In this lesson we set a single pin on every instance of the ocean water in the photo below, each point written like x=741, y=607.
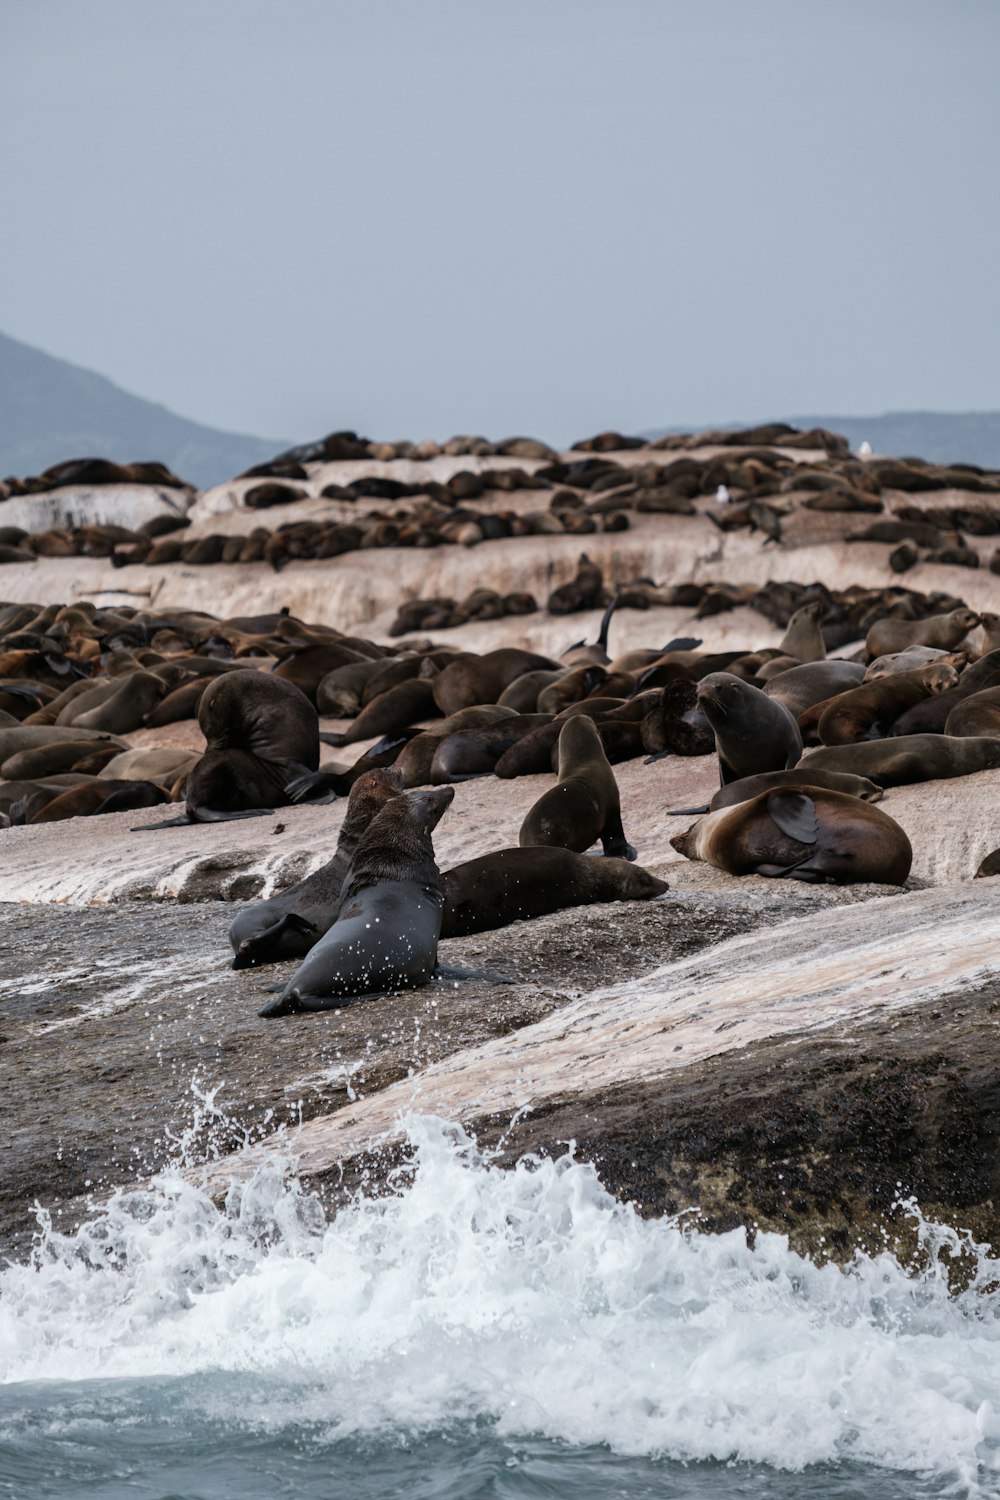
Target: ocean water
x=484, y=1333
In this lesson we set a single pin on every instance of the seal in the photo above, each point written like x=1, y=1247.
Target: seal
x=470, y=680
x=931, y=715
x=291, y=923
x=798, y=688
x=97, y=795
x=909, y=758
x=802, y=776
x=977, y=714
x=386, y=934
x=583, y=806
x=947, y=631
x=803, y=639
x=753, y=733
x=512, y=885
x=259, y=729
x=872, y=709
x=802, y=833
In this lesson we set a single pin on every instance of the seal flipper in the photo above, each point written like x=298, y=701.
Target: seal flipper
x=258, y=949
x=681, y=643
x=314, y=786
x=687, y=812
x=286, y=1004
x=614, y=841
x=798, y=871
x=795, y=814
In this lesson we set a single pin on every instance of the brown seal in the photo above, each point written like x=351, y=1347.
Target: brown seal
x=947, y=631
x=907, y=759
x=753, y=733
x=803, y=833
x=931, y=715
x=512, y=885
x=471, y=680
x=798, y=688
x=872, y=709
x=803, y=639
x=258, y=730
x=386, y=934
x=801, y=776
x=977, y=714
x=584, y=805
x=100, y=795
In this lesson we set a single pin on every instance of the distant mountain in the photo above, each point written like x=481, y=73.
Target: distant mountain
x=51, y=410
x=971, y=437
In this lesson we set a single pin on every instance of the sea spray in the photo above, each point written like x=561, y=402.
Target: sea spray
x=528, y=1302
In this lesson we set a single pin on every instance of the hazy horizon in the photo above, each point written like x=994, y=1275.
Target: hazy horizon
x=421, y=220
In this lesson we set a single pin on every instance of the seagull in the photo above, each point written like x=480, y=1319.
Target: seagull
x=723, y=496
x=865, y=450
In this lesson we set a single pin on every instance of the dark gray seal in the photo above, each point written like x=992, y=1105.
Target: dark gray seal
x=292, y=922
x=386, y=935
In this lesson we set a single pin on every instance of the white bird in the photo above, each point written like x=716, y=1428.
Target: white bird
x=722, y=495
x=865, y=450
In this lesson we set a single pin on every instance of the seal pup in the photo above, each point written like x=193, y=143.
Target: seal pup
x=753, y=733
x=802, y=833
x=584, y=805
x=292, y=922
x=512, y=885
x=386, y=934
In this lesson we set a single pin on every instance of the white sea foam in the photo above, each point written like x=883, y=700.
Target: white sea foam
x=528, y=1298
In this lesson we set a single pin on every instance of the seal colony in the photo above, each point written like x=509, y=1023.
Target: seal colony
x=806, y=735
x=374, y=751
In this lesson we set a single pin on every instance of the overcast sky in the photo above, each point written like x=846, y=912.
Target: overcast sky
x=420, y=217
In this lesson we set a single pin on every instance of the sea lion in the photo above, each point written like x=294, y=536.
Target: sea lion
x=584, y=805
x=48, y=760
x=947, y=631
x=511, y=885
x=931, y=715
x=117, y=707
x=397, y=708
x=97, y=796
x=989, y=866
x=978, y=714
x=803, y=638
x=802, y=833
x=801, y=776
x=471, y=680
x=798, y=688
x=258, y=730
x=871, y=709
x=156, y=763
x=386, y=934
x=292, y=922
x=753, y=733
x=906, y=661
x=907, y=759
